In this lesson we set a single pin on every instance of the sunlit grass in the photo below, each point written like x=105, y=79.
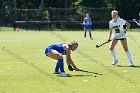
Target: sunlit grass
x=24, y=68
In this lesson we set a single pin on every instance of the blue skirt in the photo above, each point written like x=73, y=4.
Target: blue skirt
x=87, y=27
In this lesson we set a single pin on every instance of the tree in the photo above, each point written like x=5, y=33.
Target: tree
x=1, y=10
x=6, y=9
x=95, y=3
x=127, y=9
x=28, y=4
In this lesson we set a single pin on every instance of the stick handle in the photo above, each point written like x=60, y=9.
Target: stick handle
x=97, y=46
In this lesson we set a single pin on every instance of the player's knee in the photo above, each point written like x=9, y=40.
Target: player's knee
x=60, y=56
x=125, y=49
x=111, y=49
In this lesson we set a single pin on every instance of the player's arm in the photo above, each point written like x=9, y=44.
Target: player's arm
x=84, y=21
x=138, y=24
x=69, y=60
x=90, y=22
x=127, y=26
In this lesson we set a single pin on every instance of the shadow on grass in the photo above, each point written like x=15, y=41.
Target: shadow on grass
x=82, y=75
x=69, y=75
x=128, y=66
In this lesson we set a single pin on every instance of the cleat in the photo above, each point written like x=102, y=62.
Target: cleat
x=63, y=74
x=114, y=62
x=131, y=65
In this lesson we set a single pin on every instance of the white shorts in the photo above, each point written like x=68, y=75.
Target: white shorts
x=119, y=35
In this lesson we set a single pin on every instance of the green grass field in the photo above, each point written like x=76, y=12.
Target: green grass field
x=25, y=69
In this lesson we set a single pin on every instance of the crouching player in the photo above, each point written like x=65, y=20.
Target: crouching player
x=55, y=51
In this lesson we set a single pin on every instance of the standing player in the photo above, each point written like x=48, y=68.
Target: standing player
x=87, y=26
x=119, y=33
x=55, y=51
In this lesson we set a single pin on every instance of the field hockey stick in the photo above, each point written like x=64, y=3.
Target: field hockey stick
x=97, y=46
x=90, y=72
x=136, y=22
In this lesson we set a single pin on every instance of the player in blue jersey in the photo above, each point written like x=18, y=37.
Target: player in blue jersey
x=87, y=26
x=55, y=51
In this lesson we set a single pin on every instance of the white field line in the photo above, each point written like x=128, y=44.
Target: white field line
x=16, y=40
x=106, y=58
x=18, y=62
x=105, y=52
x=10, y=40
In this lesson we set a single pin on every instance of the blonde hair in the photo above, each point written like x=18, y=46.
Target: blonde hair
x=87, y=14
x=73, y=43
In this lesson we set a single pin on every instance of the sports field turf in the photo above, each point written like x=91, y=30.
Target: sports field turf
x=25, y=69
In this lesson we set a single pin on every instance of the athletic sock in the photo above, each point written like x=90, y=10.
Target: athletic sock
x=90, y=35
x=85, y=35
x=57, y=67
x=129, y=56
x=61, y=65
x=114, y=55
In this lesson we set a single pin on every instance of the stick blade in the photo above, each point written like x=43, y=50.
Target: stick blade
x=91, y=72
x=97, y=46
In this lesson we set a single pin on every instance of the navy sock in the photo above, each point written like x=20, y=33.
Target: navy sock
x=57, y=67
x=61, y=65
x=85, y=35
x=90, y=35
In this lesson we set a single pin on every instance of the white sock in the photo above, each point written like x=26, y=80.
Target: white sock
x=129, y=56
x=114, y=55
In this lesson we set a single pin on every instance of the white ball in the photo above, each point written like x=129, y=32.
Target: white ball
x=94, y=75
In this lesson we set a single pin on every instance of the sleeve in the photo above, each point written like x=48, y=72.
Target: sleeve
x=110, y=26
x=123, y=21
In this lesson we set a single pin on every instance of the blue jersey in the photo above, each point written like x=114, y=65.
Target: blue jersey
x=58, y=47
x=87, y=25
x=87, y=21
